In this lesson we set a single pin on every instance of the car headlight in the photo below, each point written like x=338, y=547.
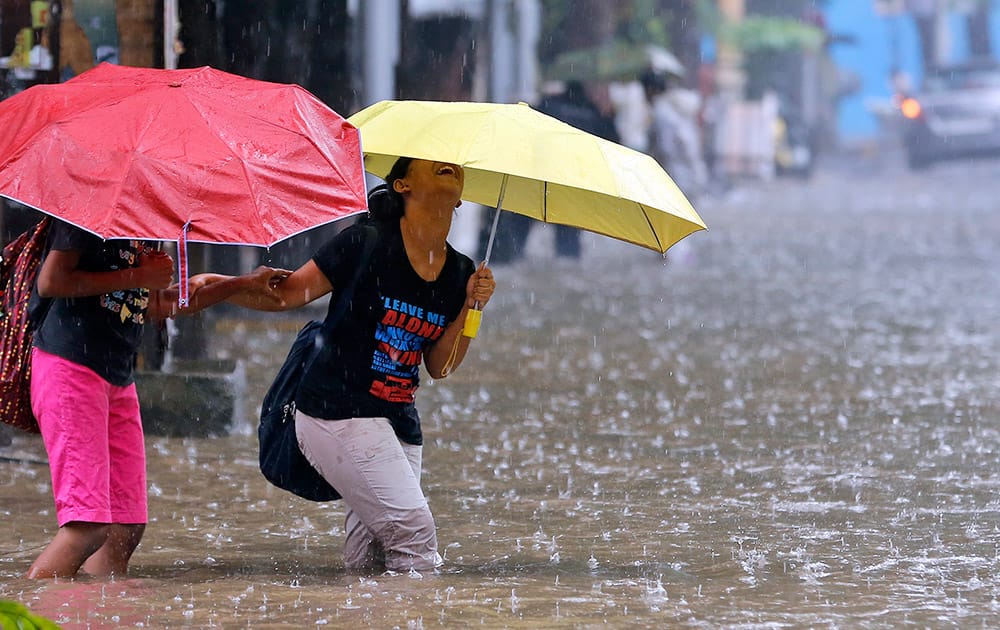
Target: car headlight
x=910, y=108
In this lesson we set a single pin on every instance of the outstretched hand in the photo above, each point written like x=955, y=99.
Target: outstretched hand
x=263, y=284
x=480, y=287
x=258, y=287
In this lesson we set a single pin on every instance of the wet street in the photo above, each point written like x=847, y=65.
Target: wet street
x=793, y=421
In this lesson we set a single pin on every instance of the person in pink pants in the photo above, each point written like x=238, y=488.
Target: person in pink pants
x=83, y=391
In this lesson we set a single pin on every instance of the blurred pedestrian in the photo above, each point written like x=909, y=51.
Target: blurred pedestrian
x=710, y=115
x=83, y=391
x=355, y=417
x=675, y=138
x=586, y=107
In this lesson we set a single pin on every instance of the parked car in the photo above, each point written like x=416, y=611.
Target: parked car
x=955, y=114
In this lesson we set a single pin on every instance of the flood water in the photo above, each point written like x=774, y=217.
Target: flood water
x=792, y=422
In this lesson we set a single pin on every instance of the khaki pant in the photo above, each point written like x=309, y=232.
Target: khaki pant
x=388, y=522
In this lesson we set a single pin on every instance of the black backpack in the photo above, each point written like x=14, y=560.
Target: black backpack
x=281, y=459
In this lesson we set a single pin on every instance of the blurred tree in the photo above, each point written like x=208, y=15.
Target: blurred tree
x=136, y=32
x=76, y=54
x=673, y=24
x=772, y=50
x=676, y=25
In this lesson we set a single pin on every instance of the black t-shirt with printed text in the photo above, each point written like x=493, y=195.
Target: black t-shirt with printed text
x=100, y=332
x=371, y=366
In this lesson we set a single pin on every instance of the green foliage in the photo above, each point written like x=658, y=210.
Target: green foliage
x=756, y=33
x=16, y=616
x=618, y=61
x=638, y=22
x=642, y=22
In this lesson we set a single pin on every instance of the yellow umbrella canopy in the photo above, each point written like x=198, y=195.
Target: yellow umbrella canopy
x=521, y=160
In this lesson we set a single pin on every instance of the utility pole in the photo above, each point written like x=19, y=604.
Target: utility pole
x=501, y=51
x=380, y=32
x=529, y=27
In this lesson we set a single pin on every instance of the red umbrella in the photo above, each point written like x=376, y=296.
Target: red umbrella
x=196, y=154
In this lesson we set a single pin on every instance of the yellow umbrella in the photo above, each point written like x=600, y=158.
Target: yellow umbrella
x=518, y=159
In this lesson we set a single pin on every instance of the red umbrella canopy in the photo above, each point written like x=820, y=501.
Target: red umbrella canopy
x=145, y=153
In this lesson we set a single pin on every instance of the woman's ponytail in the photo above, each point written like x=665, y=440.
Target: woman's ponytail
x=384, y=203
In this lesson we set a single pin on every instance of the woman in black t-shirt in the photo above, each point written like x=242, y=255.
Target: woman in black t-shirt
x=355, y=416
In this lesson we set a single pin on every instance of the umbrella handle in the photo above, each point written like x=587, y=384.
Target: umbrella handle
x=475, y=316
x=496, y=221
x=472, y=321
x=183, y=295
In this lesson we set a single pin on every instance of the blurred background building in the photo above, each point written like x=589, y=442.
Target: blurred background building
x=823, y=68
x=765, y=86
x=717, y=90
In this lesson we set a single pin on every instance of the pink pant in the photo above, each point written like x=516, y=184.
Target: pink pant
x=387, y=518
x=93, y=434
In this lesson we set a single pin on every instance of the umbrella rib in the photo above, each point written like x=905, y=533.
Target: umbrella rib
x=545, y=202
x=256, y=217
x=333, y=164
x=652, y=230
x=130, y=157
x=134, y=160
x=42, y=90
x=630, y=182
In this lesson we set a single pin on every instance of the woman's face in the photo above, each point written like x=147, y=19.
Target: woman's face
x=428, y=178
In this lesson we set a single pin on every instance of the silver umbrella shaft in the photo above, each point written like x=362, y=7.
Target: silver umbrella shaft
x=496, y=220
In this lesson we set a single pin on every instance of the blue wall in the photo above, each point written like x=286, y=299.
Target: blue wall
x=879, y=43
